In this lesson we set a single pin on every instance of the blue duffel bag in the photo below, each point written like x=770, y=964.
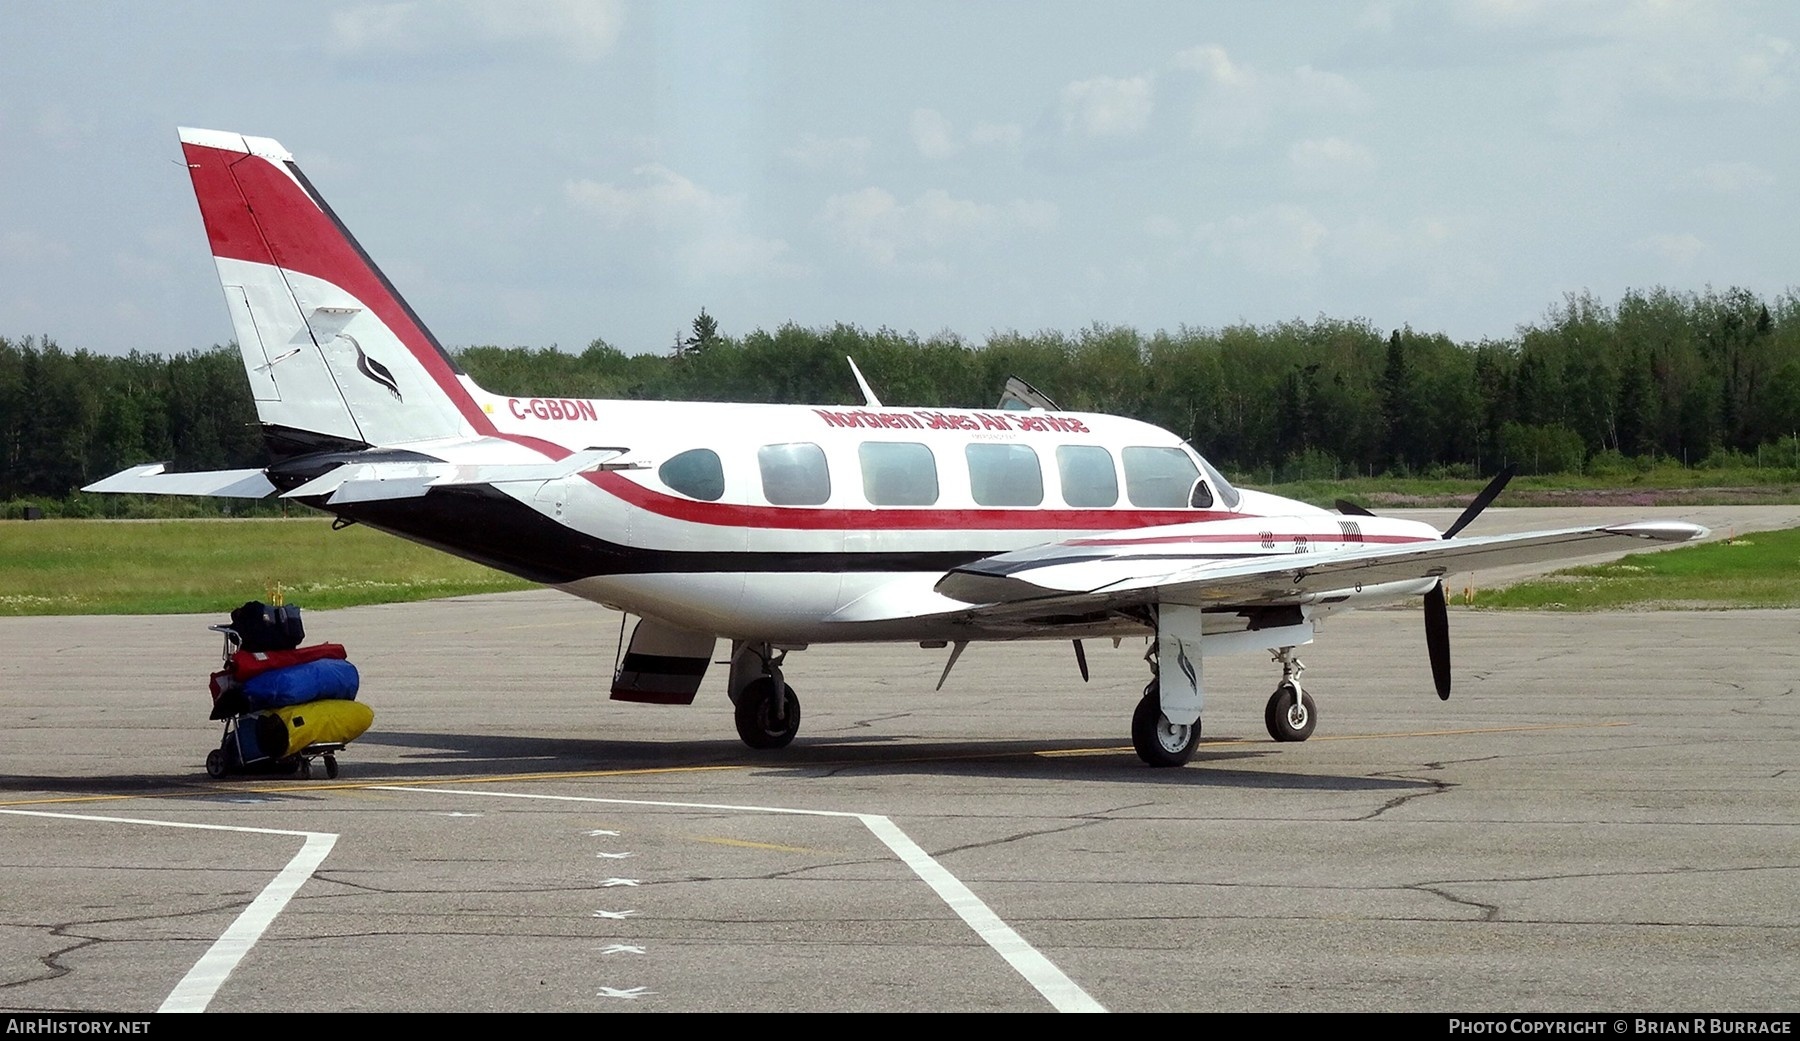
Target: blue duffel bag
x=298, y=684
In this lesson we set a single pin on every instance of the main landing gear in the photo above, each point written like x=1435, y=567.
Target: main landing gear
x=1291, y=714
x=1158, y=741
x=767, y=713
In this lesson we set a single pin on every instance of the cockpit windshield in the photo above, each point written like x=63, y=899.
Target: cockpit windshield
x=1223, y=492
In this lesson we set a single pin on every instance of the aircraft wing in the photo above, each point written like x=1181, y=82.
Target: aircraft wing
x=1174, y=567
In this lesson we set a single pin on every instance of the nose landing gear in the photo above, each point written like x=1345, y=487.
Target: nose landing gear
x=1291, y=714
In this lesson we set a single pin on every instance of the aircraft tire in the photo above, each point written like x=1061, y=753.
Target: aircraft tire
x=1285, y=721
x=755, y=715
x=1159, y=742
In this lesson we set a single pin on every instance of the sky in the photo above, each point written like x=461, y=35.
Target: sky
x=550, y=172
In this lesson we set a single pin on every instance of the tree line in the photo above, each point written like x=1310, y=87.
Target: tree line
x=1697, y=378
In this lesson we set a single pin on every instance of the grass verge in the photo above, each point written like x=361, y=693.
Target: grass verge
x=1761, y=569
x=62, y=567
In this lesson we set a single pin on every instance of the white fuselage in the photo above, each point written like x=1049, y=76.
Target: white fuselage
x=801, y=524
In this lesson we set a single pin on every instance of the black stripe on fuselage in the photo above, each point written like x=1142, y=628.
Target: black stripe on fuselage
x=488, y=527
x=1000, y=568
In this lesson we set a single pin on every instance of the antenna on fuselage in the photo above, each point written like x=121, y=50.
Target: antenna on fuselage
x=869, y=397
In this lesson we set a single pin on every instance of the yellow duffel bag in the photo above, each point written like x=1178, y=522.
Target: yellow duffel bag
x=327, y=722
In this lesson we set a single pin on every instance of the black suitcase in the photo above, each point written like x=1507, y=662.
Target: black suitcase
x=261, y=627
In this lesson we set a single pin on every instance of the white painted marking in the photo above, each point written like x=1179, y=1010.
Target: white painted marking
x=609, y=883
x=456, y=814
x=621, y=948
x=614, y=856
x=202, y=982
x=628, y=995
x=602, y=831
x=1039, y=971
x=614, y=914
x=1062, y=992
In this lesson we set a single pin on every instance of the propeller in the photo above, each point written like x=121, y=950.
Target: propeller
x=1437, y=612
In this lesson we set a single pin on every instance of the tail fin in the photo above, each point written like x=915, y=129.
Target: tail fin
x=333, y=353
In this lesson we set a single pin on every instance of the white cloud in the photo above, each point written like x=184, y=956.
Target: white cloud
x=1330, y=164
x=702, y=229
x=1731, y=178
x=1160, y=226
x=1106, y=107
x=873, y=224
x=932, y=134
x=997, y=135
x=665, y=198
x=1659, y=51
x=1282, y=241
x=1237, y=102
x=1369, y=246
x=1682, y=250
x=833, y=154
x=581, y=29
x=727, y=253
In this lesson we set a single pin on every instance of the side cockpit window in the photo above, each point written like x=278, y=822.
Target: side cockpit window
x=1161, y=478
x=794, y=475
x=695, y=473
x=898, y=473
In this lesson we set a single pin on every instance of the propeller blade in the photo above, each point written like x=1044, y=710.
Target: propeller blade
x=1437, y=638
x=1481, y=502
x=1350, y=509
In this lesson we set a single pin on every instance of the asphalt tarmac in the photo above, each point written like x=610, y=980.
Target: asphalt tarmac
x=1604, y=817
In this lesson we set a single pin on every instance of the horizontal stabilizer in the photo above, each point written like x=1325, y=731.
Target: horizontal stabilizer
x=368, y=482
x=150, y=479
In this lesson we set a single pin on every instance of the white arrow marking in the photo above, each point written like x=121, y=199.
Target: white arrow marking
x=602, y=831
x=634, y=992
x=621, y=948
x=614, y=914
x=457, y=813
x=614, y=856
x=609, y=883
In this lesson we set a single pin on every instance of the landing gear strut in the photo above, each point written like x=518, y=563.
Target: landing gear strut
x=1291, y=714
x=767, y=713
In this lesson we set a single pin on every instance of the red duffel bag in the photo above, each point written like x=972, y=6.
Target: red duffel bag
x=248, y=664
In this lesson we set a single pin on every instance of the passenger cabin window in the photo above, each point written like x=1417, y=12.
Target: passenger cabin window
x=1159, y=478
x=1004, y=475
x=898, y=473
x=695, y=473
x=1088, y=477
x=794, y=475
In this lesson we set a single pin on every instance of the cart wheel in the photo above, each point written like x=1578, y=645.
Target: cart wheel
x=215, y=763
x=330, y=765
x=306, y=769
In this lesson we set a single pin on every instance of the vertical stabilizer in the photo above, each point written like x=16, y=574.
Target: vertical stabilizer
x=332, y=352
